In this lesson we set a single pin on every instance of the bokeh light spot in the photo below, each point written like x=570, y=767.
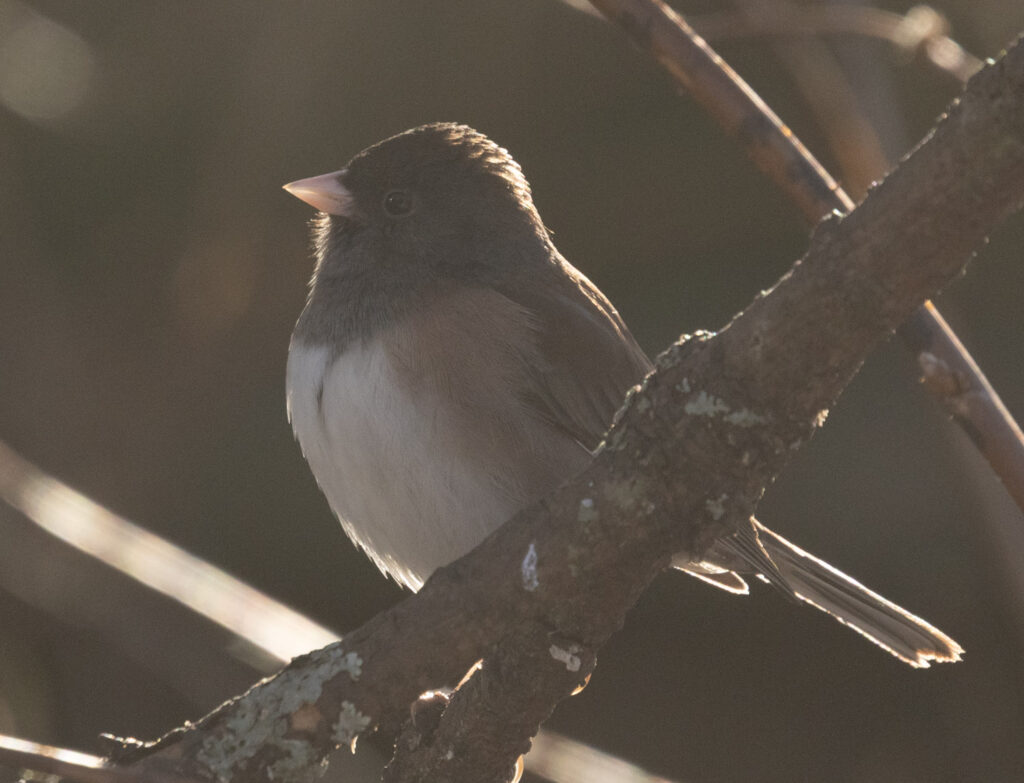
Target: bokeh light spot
x=46, y=70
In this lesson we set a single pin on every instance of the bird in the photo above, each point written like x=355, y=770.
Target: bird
x=451, y=367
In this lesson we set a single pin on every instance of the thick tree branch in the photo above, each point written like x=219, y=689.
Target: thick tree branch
x=971, y=400
x=492, y=717
x=690, y=453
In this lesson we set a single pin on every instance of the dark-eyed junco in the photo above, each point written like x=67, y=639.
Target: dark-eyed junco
x=451, y=367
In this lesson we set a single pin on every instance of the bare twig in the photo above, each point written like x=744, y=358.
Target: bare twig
x=72, y=766
x=829, y=97
x=921, y=29
x=732, y=408
x=778, y=153
x=155, y=562
x=557, y=758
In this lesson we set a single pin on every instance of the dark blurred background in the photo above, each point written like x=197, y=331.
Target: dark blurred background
x=151, y=270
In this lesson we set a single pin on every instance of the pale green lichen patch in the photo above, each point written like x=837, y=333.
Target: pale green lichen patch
x=705, y=404
x=351, y=723
x=745, y=418
x=624, y=494
x=684, y=386
x=567, y=657
x=296, y=766
x=629, y=497
x=528, y=569
x=716, y=506
x=587, y=511
x=249, y=727
x=353, y=664
x=261, y=720
x=573, y=556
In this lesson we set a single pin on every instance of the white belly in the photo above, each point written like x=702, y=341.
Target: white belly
x=385, y=462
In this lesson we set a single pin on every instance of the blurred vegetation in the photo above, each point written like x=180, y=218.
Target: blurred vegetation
x=151, y=270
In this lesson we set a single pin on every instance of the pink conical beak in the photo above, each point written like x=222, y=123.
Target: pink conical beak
x=325, y=193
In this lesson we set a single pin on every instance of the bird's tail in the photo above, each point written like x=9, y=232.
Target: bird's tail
x=891, y=627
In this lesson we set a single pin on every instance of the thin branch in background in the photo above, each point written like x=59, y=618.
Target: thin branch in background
x=558, y=758
x=828, y=96
x=663, y=33
x=69, y=765
x=922, y=29
x=155, y=562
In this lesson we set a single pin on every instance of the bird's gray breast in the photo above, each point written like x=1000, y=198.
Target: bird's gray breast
x=420, y=437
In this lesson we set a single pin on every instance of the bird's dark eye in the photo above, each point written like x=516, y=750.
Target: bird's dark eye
x=398, y=203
